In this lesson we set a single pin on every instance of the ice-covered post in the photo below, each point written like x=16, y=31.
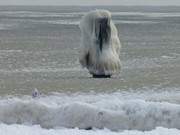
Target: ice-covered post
x=100, y=45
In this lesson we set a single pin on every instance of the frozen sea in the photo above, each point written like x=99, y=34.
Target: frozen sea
x=39, y=47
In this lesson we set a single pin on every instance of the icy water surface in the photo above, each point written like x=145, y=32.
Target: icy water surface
x=39, y=51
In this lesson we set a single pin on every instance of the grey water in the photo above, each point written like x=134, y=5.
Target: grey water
x=39, y=48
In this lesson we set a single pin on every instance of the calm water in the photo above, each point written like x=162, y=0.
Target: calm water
x=39, y=50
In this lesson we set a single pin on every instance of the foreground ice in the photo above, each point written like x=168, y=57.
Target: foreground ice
x=88, y=111
x=37, y=130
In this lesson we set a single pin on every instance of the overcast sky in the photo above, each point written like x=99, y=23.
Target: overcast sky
x=89, y=2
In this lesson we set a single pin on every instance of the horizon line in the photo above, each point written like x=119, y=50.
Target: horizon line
x=86, y=5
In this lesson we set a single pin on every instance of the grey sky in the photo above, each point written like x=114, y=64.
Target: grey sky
x=89, y=2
